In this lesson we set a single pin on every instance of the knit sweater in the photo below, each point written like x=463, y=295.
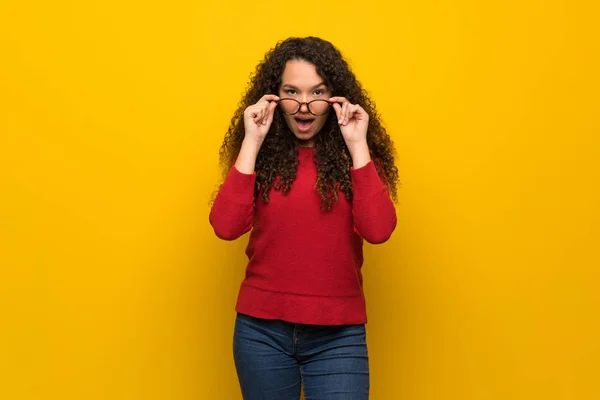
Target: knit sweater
x=304, y=264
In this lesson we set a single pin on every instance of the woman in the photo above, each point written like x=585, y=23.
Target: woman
x=310, y=170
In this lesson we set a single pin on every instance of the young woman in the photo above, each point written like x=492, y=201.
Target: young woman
x=310, y=170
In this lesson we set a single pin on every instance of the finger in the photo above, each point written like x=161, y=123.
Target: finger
x=271, y=111
x=251, y=111
x=361, y=113
x=347, y=114
x=265, y=115
x=338, y=99
x=249, y=114
x=268, y=97
x=350, y=112
x=258, y=116
x=338, y=110
x=268, y=112
x=344, y=112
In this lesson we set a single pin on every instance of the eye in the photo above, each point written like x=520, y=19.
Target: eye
x=319, y=92
x=290, y=92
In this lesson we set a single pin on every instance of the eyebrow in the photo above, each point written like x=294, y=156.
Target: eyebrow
x=314, y=87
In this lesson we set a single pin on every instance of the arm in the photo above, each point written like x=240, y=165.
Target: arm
x=373, y=210
x=232, y=212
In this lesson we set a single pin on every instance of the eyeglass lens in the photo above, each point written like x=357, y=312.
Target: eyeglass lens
x=292, y=106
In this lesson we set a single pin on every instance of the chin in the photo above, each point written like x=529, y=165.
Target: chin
x=305, y=139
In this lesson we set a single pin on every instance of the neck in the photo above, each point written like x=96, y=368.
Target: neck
x=305, y=143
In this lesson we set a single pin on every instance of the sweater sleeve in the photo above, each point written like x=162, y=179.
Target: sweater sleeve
x=232, y=211
x=373, y=210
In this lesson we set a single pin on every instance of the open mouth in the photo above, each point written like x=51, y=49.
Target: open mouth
x=304, y=124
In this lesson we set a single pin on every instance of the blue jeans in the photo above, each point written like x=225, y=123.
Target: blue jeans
x=274, y=359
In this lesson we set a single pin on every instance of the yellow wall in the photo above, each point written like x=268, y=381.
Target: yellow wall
x=113, y=286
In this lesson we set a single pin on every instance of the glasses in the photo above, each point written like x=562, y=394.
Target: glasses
x=315, y=107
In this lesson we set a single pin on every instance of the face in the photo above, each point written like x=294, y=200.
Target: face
x=301, y=82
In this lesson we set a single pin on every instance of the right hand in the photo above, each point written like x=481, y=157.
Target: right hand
x=259, y=117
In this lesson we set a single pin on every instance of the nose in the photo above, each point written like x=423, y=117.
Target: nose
x=304, y=107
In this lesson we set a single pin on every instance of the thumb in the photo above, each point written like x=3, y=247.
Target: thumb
x=272, y=107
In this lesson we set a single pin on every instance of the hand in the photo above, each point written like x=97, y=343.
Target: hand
x=258, y=117
x=353, y=121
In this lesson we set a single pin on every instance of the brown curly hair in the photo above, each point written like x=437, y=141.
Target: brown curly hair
x=278, y=157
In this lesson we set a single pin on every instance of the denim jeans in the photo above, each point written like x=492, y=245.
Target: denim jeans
x=274, y=359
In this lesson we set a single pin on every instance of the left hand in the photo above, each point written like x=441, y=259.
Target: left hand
x=352, y=119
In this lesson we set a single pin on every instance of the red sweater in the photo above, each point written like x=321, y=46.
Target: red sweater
x=304, y=265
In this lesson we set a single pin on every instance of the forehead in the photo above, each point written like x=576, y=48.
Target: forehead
x=300, y=73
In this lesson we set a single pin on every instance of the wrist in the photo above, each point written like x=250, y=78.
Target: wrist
x=358, y=145
x=359, y=151
x=246, y=160
x=252, y=144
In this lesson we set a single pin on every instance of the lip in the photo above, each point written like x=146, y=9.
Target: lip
x=304, y=129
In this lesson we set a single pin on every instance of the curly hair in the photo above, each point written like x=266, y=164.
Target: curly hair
x=277, y=159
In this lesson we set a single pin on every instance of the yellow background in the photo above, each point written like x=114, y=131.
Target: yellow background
x=113, y=286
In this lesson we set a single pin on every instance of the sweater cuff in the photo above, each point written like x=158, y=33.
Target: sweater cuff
x=365, y=181
x=239, y=187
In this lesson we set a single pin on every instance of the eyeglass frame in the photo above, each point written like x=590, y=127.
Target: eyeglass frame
x=301, y=103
